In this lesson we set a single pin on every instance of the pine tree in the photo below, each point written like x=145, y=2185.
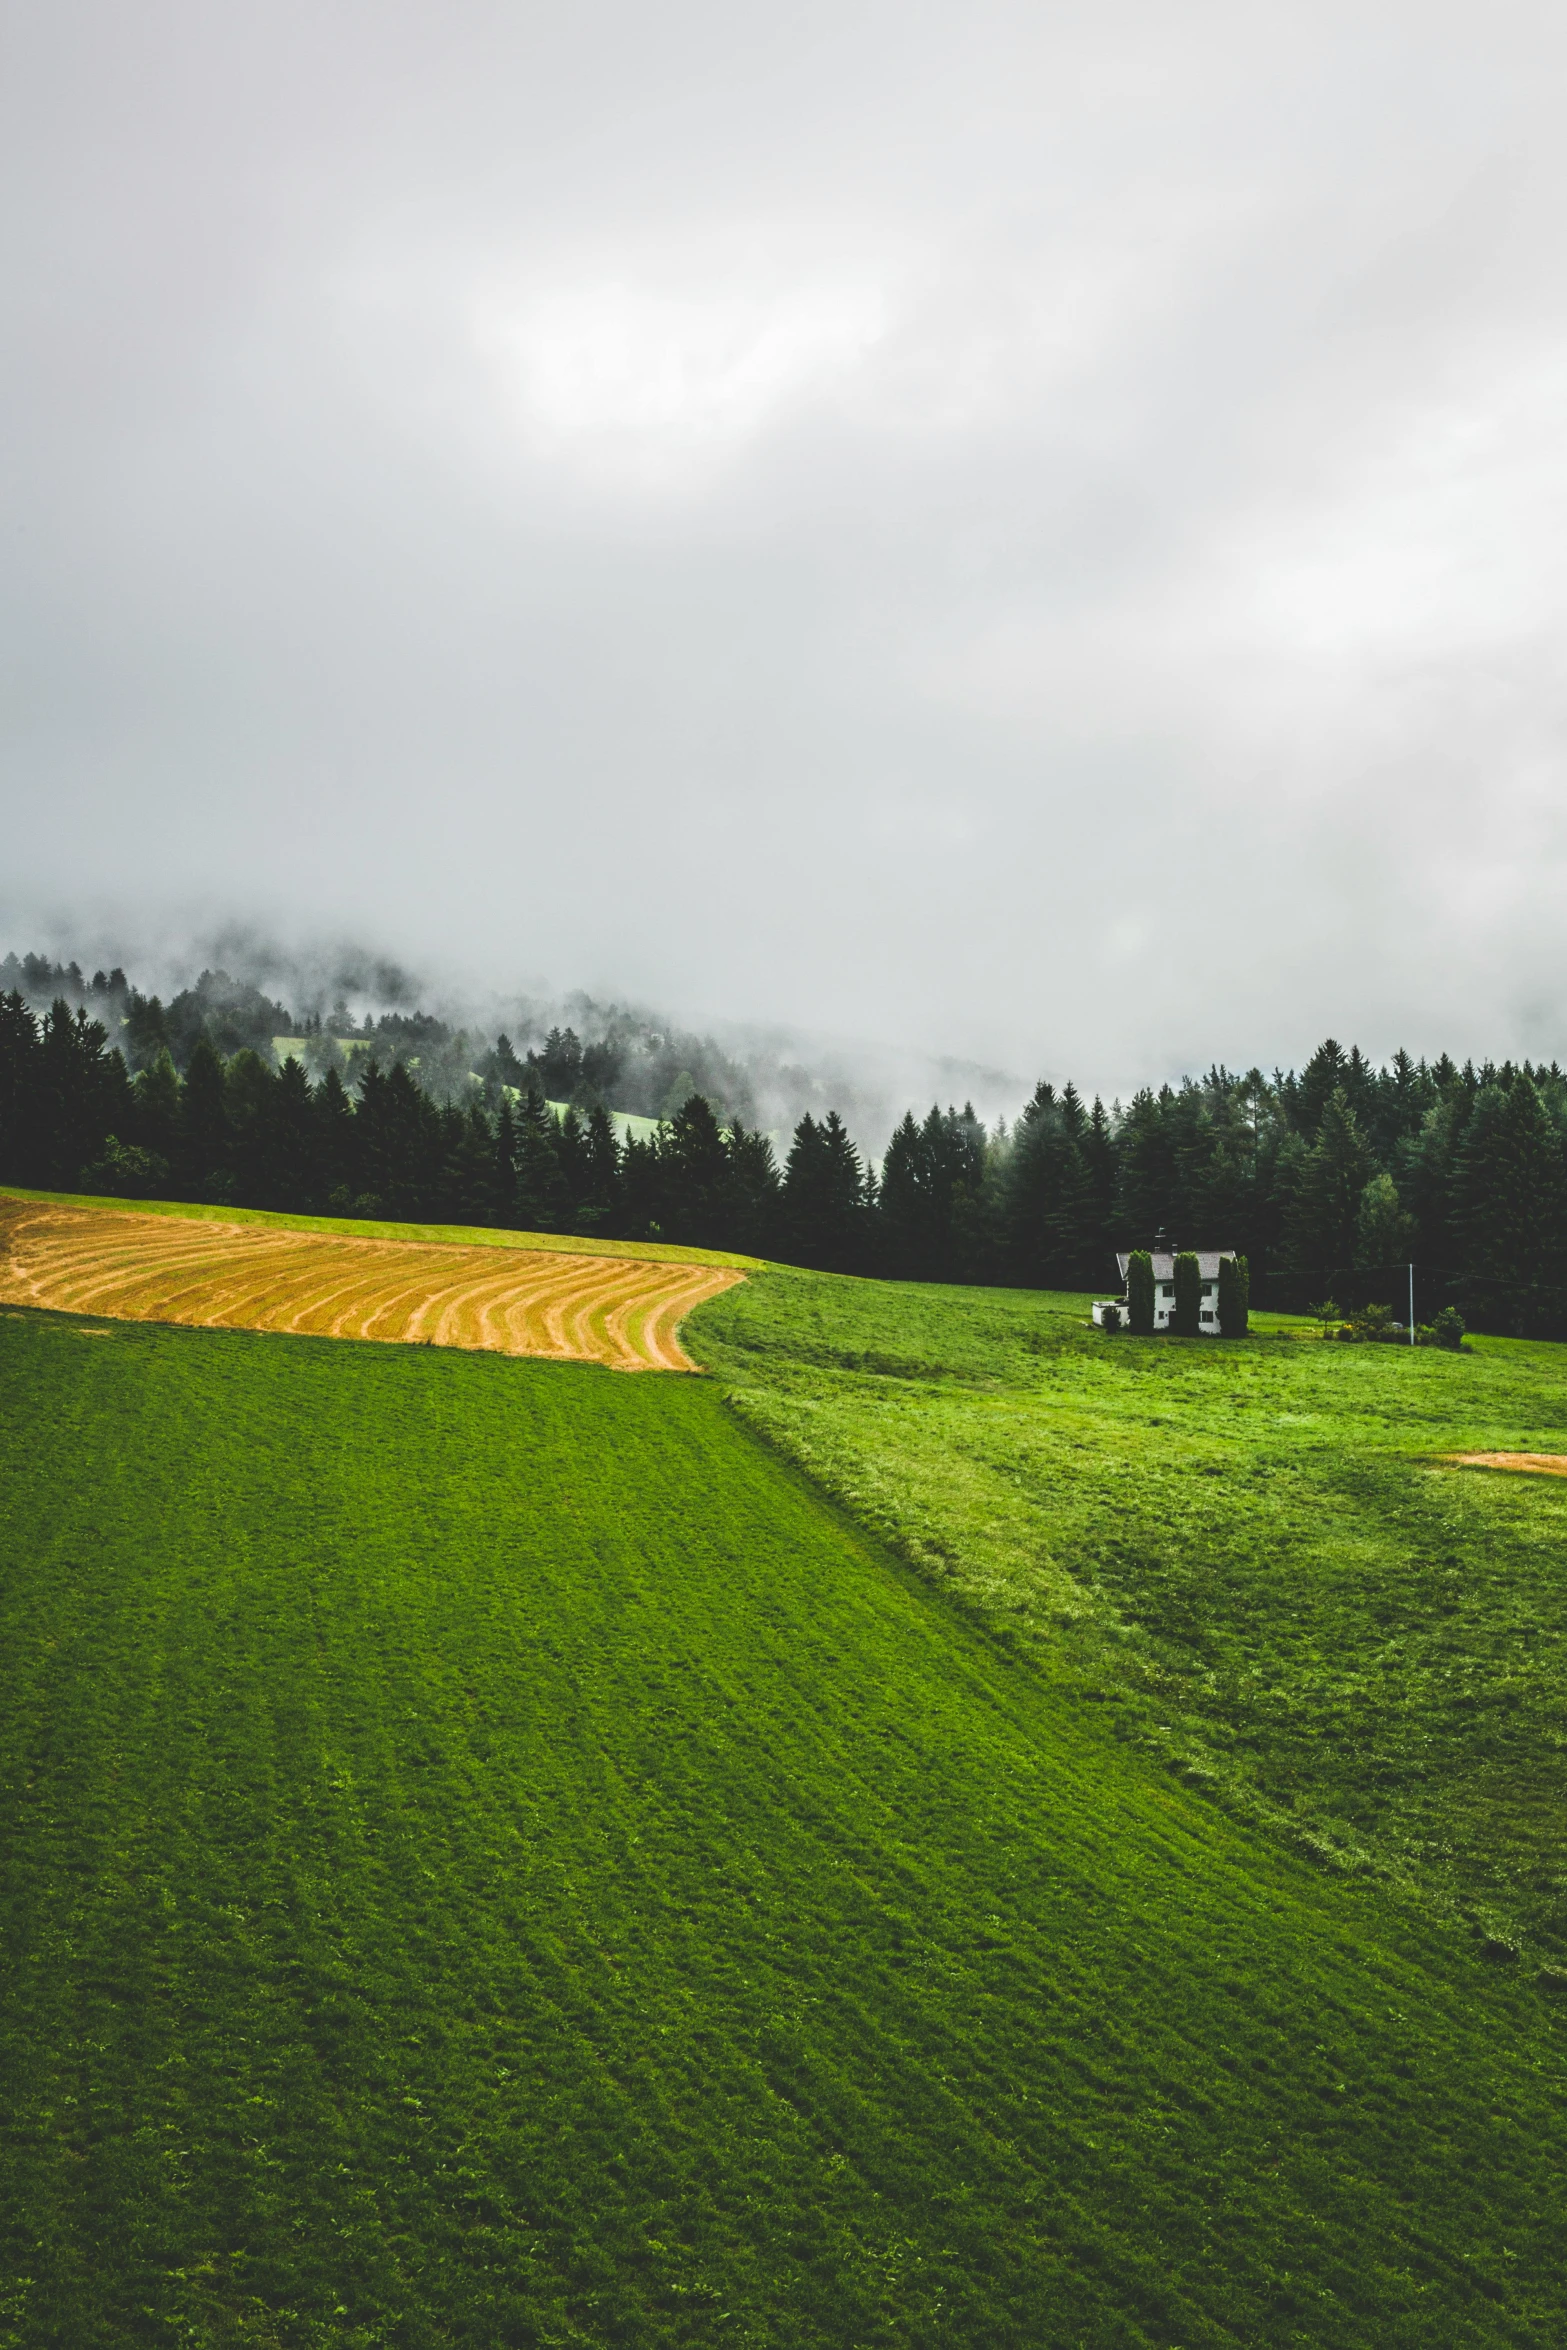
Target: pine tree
x=541, y=1204
x=1510, y=1211
x=157, y=1121
x=1145, y=1172
x=1050, y=1225
x=844, y=1195
x=146, y=1031
x=335, y=1139
x=640, y=1189
x=1322, y=1077
x=293, y=1169
x=932, y=1177
x=698, y=1206
x=1400, y=1096
x=410, y=1179
x=1321, y=1230
x=83, y=1094
x=558, y=1069
x=571, y=1149
x=756, y=1191
x=20, y=1108
x=601, y=1209
x=248, y=1087
x=823, y=1205
x=1099, y=1160
x=1424, y=1170
x=509, y=1071
x=503, y=1172
x=468, y=1174
x=202, y=1166
x=905, y=1220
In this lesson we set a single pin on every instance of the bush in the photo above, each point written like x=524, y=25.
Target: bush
x=1139, y=1293
x=1110, y=1319
x=1448, y=1329
x=1376, y=1326
x=123, y=1170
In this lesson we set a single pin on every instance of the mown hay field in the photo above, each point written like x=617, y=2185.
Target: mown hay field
x=491, y=1858
x=132, y=1267
x=569, y=1244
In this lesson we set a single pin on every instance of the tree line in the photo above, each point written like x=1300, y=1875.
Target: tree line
x=375, y=1144
x=1340, y=1172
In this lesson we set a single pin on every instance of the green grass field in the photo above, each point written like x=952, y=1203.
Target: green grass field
x=492, y=1857
x=1243, y=1557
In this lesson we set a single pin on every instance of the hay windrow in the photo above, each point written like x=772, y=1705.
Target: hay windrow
x=619, y=1311
x=1537, y=1464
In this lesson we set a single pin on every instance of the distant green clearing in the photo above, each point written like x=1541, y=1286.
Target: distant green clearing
x=628, y=1126
x=1239, y=1555
x=491, y=1858
x=626, y=1123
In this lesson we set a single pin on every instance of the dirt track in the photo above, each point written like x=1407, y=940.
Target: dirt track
x=137, y=1268
x=1539, y=1464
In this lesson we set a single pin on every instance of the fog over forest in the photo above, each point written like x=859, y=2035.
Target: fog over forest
x=244, y=989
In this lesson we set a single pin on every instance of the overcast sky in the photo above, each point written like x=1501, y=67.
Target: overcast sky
x=1036, y=531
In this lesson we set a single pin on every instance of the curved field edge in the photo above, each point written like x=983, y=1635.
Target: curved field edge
x=657, y=1252
x=607, y=1899
x=623, y=1313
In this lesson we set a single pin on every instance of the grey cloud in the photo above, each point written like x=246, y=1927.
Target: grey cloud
x=1027, y=536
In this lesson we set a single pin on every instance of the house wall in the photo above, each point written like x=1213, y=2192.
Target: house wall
x=1208, y=1307
x=1164, y=1308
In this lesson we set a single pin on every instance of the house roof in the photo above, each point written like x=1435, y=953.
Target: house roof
x=1164, y=1266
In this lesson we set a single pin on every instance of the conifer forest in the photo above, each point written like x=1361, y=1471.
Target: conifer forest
x=1331, y=1180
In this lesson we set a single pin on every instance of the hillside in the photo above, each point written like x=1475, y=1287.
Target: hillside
x=1250, y=1559
x=493, y=1856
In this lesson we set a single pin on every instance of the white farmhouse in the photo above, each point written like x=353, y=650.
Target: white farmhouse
x=1208, y=1262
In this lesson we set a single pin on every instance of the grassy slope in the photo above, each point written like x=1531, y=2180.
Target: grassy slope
x=1241, y=1556
x=490, y=1857
x=655, y=1252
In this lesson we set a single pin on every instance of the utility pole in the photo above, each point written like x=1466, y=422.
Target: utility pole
x=1411, y=1305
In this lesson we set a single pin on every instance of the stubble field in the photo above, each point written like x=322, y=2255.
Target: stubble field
x=138, y=1267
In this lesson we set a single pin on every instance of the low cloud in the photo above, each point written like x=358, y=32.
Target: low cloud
x=1030, y=539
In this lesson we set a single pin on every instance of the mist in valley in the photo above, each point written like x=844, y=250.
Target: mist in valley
x=331, y=1005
